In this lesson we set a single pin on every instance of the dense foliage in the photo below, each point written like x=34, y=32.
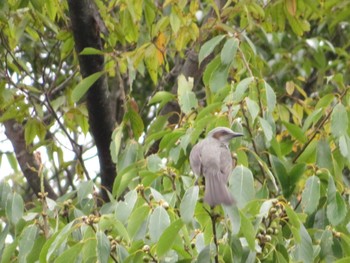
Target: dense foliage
x=277, y=70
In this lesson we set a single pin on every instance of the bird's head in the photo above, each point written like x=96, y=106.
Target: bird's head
x=223, y=134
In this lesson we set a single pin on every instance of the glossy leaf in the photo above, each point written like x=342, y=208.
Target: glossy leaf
x=229, y=51
x=208, y=47
x=137, y=217
x=296, y=132
x=268, y=132
x=311, y=194
x=241, y=88
x=70, y=253
x=188, y=204
x=253, y=108
x=339, y=120
x=14, y=208
x=81, y=89
x=304, y=250
x=26, y=242
x=218, y=78
x=270, y=97
x=103, y=247
x=168, y=237
x=187, y=98
x=242, y=185
x=248, y=231
x=158, y=222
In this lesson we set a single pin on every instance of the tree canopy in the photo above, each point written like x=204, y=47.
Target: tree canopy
x=132, y=86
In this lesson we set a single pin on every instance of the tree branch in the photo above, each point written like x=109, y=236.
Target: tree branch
x=30, y=168
x=86, y=26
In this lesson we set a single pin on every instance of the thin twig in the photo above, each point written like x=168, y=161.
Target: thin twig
x=318, y=127
x=76, y=147
x=253, y=142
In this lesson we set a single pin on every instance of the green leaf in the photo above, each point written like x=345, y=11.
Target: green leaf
x=168, y=237
x=267, y=129
x=270, y=97
x=282, y=176
x=91, y=51
x=343, y=260
x=175, y=22
x=116, y=142
x=150, y=12
x=242, y=185
x=233, y=214
x=248, y=231
x=187, y=99
x=124, y=208
x=154, y=163
x=110, y=225
x=325, y=101
x=88, y=252
x=3, y=235
x=70, y=253
x=103, y=247
x=211, y=67
x=208, y=47
x=296, y=132
x=137, y=217
x=296, y=172
x=80, y=90
x=161, y=97
x=311, y=194
x=204, y=255
x=336, y=209
x=136, y=122
x=9, y=252
x=304, y=250
x=229, y=51
x=344, y=146
x=324, y=155
x=34, y=128
x=128, y=156
x=5, y=191
x=218, y=79
x=326, y=244
x=169, y=140
x=241, y=88
x=158, y=222
x=253, y=108
x=26, y=243
x=84, y=190
x=123, y=180
x=14, y=208
x=313, y=118
x=293, y=217
x=188, y=204
x=339, y=121
x=59, y=239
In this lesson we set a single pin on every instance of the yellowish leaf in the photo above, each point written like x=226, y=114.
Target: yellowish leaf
x=291, y=7
x=161, y=44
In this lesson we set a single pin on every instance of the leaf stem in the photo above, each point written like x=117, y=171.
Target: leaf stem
x=321, y=124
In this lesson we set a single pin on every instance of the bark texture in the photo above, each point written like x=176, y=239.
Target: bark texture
x=87, y=26
x=26, y=159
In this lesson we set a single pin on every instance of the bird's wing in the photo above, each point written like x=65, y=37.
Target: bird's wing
x=195, y=158
x=210, y=156
x=217, y=164
x=225, y=163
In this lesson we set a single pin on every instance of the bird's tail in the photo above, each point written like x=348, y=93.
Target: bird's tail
x=216, y=191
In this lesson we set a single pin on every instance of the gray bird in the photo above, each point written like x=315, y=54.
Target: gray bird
x=212, y=159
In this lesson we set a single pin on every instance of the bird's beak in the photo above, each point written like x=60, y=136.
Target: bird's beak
x=237, y=134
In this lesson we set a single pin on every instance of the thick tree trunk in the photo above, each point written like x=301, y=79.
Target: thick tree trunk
x=86, y=26
x=26, y=159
